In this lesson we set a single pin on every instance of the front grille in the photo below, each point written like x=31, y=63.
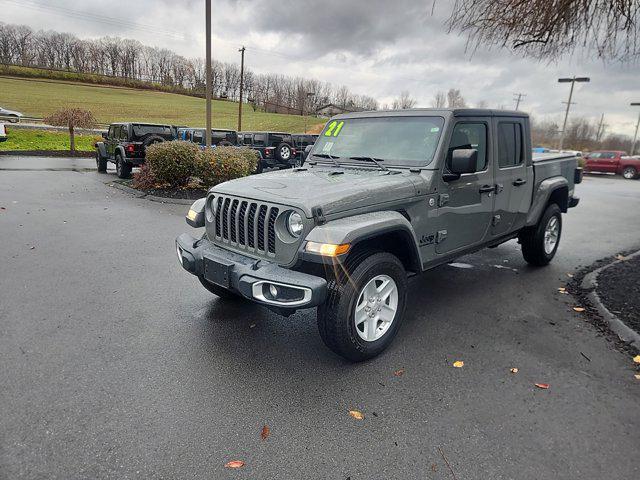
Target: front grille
x=246, y=224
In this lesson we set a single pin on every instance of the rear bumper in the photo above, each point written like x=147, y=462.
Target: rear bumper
x=135, y=161
x=251, y=278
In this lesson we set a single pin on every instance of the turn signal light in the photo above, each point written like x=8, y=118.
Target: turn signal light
x=327, y=249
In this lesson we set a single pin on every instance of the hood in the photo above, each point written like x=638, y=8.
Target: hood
x=334, y=189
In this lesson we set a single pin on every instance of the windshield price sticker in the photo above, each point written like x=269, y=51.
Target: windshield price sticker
x=327, y=147
x=435, y=130
x=334, y=129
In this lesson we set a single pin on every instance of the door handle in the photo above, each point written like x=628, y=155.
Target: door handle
x=487, y=188
x=519, y=181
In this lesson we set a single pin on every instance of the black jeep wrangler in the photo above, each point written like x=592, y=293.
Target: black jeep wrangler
x=219, y=137
x=301, y=141
x=125, y=143
x=276, y=149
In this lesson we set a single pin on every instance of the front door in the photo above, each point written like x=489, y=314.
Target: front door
x=513, y=174
x=466, y=204
x=114, y=132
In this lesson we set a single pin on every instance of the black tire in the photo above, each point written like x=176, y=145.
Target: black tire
x=260, y=166
x=14, y=119
x=219, y=291
x=151, y=139
x=101, y=162
x=284, y=152
x=123, y=169
x=336, y=316
x=532, y=239
x=630, y=173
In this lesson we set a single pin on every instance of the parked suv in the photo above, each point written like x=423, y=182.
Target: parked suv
x=382, y=196
x=221, y=137
x=276, y=149
x=125, y=143
x=10, y=115
x=301, y=141
x=613, y=161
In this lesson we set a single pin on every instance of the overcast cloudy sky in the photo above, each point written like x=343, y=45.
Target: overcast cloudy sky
x=375, y=47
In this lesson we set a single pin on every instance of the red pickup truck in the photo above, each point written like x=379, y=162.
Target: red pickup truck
x=613, y=161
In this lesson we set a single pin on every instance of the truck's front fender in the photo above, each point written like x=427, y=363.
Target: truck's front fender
x=542, y=195
x=102, y=149
x=367, y=227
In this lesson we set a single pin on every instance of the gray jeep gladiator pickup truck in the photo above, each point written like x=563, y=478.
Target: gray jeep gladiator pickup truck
x=383, y=196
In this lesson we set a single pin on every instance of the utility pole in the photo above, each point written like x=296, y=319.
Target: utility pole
x=304, y=108
x=517, y=97
x=207, y=135
x=635, y=135
x=241, y=87
x=601, y=127
x=573, y=81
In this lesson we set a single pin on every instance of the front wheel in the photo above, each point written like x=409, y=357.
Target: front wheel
x=101, y=162
x=540, y=242
x=365, y=306
x=630, y=173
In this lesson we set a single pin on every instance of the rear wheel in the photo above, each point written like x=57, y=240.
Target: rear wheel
x=540, y=242
x=630, y=173
x=365, y=306
x=123, y=169
x=101, y=163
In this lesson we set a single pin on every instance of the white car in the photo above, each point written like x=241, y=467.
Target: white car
x=10, y=115
x=3, y=133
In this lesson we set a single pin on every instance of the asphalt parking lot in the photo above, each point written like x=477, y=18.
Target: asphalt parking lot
x=114, y=363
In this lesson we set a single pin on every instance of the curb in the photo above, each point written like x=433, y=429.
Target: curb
x=589, y=285
x=152, y=198
x=47, y=153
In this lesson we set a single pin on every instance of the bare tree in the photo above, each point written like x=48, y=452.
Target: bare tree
x=403, y=101
x=439, y=100
x=455, y=99
x=548, y=29
x=72, y=118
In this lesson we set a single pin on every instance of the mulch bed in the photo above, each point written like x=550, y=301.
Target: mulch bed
x=619, y=290
x=178, y=193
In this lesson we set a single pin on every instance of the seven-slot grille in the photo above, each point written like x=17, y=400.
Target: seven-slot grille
x=246, y=224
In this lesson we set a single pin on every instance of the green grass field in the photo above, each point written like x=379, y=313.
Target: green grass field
x=20, y=139
x=39, y=97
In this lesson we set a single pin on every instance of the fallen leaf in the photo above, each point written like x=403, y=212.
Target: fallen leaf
x=637, y=376
x=32, y=248
x=434, y=467
x=234, y=464
x=570, y=275
x=265, y=432
x=399, y=373
x=562, y=289
x=544, y=386
x=514, y=370
x=636, y=359
x=620, y=257
x=356, y=414
x=458, y=364
x=578, y=309
x=2, y=209
x=252, y=325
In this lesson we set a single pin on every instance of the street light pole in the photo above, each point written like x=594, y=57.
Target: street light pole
x=207, y=135
x=635, y=135
x=573, y=81
x=241, y=87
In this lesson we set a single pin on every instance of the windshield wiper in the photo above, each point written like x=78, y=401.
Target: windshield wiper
x=330, y=157
x=372, y=159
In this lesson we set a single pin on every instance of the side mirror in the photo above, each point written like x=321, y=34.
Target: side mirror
x=104, y=135
x=463, y=160
x=306, y=152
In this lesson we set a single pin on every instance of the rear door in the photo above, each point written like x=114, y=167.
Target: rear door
x=513, y=174
x=114, y=132
x=466, y=204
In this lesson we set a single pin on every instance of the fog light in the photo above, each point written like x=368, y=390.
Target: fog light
x=273, y=290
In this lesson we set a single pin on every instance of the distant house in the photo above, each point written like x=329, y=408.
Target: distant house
x=329, y=110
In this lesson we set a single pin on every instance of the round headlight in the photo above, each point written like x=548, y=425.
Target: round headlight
x=294, y=224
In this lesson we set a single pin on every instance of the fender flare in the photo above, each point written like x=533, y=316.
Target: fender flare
x=120, y=150
x=542, y=195
x=102, y=149
x=359, y=228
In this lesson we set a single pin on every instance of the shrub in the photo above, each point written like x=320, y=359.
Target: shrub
x=221, y=164
x=145, y=179
x=173, y=163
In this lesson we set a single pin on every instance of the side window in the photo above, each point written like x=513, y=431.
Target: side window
x=111, y=133
x=509, y=145
x=259, y=139
x=609, y=155
x=470, y=135
x=123, y=132
x=198, y=136
x=246, y=139
x=595, y=155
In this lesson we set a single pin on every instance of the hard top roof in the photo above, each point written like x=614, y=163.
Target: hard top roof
x=441, y=112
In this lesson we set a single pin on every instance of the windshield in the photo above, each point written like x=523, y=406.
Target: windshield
x=402, y=141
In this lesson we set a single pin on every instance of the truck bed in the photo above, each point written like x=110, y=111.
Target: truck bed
x=547, y=165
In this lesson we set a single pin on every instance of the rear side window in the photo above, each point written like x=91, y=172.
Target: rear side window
x=112, y=132
x=277, y=139
x=509, y=145
x=246, y=140
x=259, y=139
x=198, y=136
x=124, y=131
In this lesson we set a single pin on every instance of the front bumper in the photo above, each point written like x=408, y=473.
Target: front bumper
x=256, y=280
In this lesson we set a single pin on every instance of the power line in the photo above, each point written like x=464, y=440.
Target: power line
x=92, y=17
